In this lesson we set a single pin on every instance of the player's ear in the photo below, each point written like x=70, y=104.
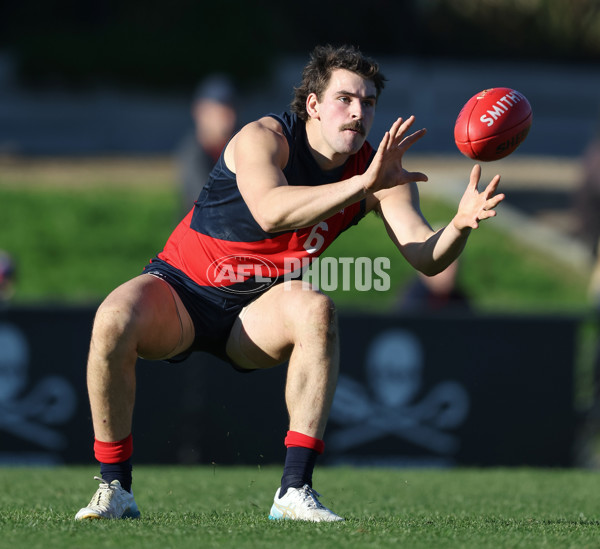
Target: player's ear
x=312, y=105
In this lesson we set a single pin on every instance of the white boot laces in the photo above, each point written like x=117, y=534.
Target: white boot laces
x=103, y=495
x=310, y=496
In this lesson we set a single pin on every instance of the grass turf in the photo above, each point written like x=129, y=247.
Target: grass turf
x=75, y=245
x=228, y=507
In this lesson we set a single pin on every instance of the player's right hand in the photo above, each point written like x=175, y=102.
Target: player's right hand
x=386, y=169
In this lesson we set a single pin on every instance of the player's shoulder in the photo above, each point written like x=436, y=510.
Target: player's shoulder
x=262, y=138
x=265, y=128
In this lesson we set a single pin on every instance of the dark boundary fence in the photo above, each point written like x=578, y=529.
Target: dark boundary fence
x=413, y=390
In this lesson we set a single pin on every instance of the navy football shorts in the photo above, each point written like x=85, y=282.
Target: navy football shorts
x=212, y=314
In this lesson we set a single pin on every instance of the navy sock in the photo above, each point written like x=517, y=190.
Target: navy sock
x=298, y=468
x=118, y=471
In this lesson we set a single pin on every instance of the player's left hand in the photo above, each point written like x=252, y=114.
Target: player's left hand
x=477, y=206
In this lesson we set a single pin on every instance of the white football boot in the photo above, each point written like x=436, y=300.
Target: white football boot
x=301, y=504
x=110, y=501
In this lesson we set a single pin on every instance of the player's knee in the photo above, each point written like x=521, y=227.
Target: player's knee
x=318, y=311
x=114, y=326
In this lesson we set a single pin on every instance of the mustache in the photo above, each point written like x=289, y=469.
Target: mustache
x=356, y=126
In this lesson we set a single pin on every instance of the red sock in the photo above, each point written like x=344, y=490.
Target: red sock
x=294, y=438
x=113, y=452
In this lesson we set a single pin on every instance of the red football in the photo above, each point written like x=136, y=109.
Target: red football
x=492, y=124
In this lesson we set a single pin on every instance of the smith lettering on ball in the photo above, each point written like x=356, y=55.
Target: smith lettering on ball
x=492, y=124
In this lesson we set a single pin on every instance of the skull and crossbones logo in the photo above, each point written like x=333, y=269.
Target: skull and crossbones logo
x=394, y=365
x=52, y=400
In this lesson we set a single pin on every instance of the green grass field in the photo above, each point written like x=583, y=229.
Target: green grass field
x=76, y=240
x=228, y=507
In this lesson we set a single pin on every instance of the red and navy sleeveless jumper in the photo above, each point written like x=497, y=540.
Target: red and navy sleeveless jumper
x=220, y=253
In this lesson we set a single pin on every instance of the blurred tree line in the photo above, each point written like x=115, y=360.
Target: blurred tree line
x=170, y=45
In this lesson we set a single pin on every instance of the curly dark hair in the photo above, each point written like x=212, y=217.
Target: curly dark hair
x=323, y=61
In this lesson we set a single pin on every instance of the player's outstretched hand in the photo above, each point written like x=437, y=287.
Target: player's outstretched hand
x=386, y=169
x=476, y=206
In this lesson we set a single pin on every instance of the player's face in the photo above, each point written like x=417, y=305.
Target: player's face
x=346, y=112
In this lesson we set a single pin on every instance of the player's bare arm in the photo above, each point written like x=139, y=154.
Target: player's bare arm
x=426, y=250
x=258, y=155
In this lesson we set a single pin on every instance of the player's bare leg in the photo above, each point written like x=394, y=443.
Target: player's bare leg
x=143, y=317
x=293, y=322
